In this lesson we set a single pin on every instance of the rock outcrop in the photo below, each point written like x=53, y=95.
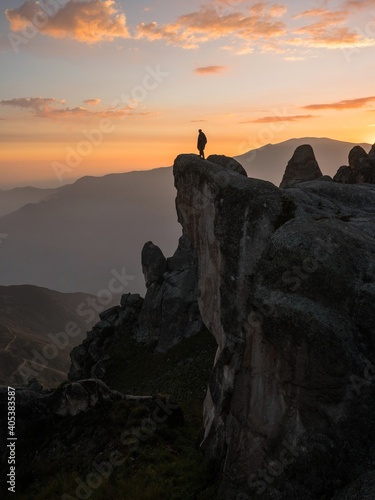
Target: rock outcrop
x=89, y=359
x=302, y=167
x=168, y=313
x=170, y=310
x=361, y=167
x=34, y=405
x=286, y=284
x=227, y=162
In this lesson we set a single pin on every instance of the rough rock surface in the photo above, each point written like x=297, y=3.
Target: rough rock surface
x=168, y=313
x=301, y=167
x=361, y=167
x=170, y=310
x=227, y=162
x=154, y=264
x=287, y=286
x=89, y=358
x=35, y=405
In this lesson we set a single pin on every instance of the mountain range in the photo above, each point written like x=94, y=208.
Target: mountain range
x=38, y=329
x=79, y=236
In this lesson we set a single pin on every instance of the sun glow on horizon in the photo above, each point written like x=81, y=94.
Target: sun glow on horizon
x=132, y=93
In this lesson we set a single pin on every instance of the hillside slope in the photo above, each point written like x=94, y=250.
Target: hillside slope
x=41, y=325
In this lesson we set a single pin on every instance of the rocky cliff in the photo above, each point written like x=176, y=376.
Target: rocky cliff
x=286, y=282
x=361, y=167
x=168, y=313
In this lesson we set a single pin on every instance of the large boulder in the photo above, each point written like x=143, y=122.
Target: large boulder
x=371, y=154
x=361, y=167
x=286, y=284
x=170, y=311
x=35, y=406
x=228, y=162
x=154, y=264
x=301, y=167
x=357, y=157
x=345, y=175
x=90, y=358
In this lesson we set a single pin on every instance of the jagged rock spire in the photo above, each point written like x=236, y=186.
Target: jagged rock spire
x=301, y=167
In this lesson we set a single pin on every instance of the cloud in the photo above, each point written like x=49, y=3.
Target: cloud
x=49, y=108
x=92, y=102
x=36, y=104
x=346, y=104
x=88, y=21
x=323, y=14
x=359, y=4
x=209, y=70
x=274, y=118
x=81, y=112
x=198, y=121
x=191, y=30
x=328, y=31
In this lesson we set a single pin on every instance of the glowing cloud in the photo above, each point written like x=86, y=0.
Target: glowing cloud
x=346, y=104
x=36, y=104
x=92, y=102
x=328, y=31
x=89, y=21
x=209, y=70
x=275, y=119
x=48, y=108
x=359, y=4
x=207, y=24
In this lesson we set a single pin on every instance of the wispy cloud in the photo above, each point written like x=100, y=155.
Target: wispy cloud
x=51, y=108
x=89, y=21
x=328, y=30
x=36, y=104
x=189, y=31
x=274, y=119
x=359, y=4
x=340, y=105
x=209, y=70
x=92, y=102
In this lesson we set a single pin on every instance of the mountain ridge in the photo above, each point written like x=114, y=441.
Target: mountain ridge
x=32, y=318
x=58, y=242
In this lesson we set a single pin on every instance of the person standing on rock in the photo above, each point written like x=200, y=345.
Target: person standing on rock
x=202, y=141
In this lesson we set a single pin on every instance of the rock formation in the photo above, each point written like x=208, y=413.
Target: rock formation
x=36, y=405
x=168, y=313
x=227, y=162
x=361, y=167
x=301, y=168
x=286, y=284
x=170, y=310
x=89, y=358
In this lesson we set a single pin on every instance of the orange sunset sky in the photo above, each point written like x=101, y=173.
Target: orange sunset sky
x=90, y=87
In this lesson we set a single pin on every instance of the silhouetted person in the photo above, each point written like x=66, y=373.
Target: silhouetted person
x=202, y=141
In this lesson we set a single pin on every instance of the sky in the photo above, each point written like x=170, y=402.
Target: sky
x=90, y=87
